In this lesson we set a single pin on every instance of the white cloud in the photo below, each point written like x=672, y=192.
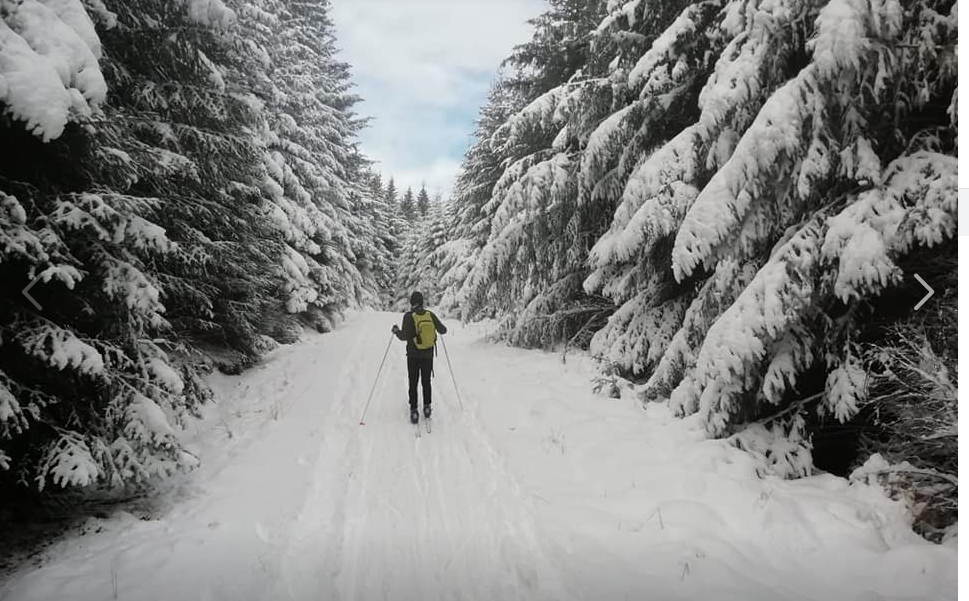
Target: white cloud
x=423, y=68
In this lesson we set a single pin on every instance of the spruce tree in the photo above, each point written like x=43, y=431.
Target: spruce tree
x=423, y=202
x=755, y=165
x=395, y=222
x=407, y=207
x=386, y=232
x=316, y=176
x=390, y=193
x=558, y=49
x=426, y=257
x=480, y=170
x=174, y=215
x=96, y=376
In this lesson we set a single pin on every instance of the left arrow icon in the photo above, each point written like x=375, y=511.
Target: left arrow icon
x=927, y=296
x=30, y=298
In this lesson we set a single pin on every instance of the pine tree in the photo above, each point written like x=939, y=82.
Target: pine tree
x=407, y=206
x=787, y=192
x=532, y=264
x=390, y=194
x=395, y=222
x=755, y=165
x=376, y=184
x=423, y=202
x=480, y=170
x=558, y=49
x=94, y=380
x=317, y=176
x=383, y=217
x=427, y=256
x=172, y=223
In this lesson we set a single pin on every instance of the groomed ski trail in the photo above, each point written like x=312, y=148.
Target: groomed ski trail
x=393, y=516
x=540, y=489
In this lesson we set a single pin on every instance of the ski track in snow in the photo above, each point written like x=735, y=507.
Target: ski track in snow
x=538, y=489
x=393, y=516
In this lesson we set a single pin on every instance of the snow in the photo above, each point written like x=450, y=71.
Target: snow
x=543, y=112
x=647, y=68
x=30, y=87
x=147, y=419
x=143, y=234
x=211, y=13
x=49, y=70
x=866, y=236
x=846, y=30
x=69, y=462
x=122, y=280
x=748, y=176
x=538, y=489
x=215, y=74
x=165, y=375
x=846, y=388
x=61, y=348
x=66, y=274
x=653, y=202
x=74, y=15
x=97, y=9
x=12, y=418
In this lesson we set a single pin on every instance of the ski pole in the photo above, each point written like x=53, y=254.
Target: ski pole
x=372, y=388
x=450, y=369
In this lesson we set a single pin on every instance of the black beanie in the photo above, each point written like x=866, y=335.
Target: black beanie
x=416, y=298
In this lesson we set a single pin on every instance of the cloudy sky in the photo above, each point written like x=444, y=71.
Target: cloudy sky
x=423, y=68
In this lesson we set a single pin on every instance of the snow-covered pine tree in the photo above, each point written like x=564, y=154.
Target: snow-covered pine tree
x=316, y=180
x=788, y=205
x=482, y=165
x=390, y=193
x=759, y=162
x=156, y=224
x=427, y=255
x=383, y=216
x=558, y=49
x=423, y=202
x=372, y=256
x=93, y=376
x=184, y=128
x=480, y=170
x=395, y=224
x=407, y=207
x=533, y=262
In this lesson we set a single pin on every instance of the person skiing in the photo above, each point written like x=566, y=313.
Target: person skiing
x=419, y=329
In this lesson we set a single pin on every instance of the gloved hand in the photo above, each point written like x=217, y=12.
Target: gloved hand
x=395, y=329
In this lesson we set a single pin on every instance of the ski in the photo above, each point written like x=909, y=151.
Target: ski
x=427, y=424
x=417, y=424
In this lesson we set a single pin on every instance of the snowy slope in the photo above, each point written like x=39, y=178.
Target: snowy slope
x=538, y=489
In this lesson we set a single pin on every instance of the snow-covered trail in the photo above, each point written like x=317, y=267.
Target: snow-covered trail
x=537, y=489
x=304, y=503
x=396, y=516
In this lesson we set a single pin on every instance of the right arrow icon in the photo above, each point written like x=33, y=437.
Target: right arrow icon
x=927, y=296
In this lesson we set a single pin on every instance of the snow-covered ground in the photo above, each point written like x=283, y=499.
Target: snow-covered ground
x=537, y=489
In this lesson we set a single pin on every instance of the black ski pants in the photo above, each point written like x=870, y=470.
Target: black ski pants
x=419, y=367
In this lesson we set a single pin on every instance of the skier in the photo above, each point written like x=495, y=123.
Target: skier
x=419, y=329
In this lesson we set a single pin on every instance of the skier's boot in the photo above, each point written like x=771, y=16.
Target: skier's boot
x=427, y=410
x=414, y=416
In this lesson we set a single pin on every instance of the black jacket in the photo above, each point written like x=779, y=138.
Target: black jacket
x=408, y=332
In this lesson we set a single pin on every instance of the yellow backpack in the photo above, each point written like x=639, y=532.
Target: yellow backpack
x=426, y=334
